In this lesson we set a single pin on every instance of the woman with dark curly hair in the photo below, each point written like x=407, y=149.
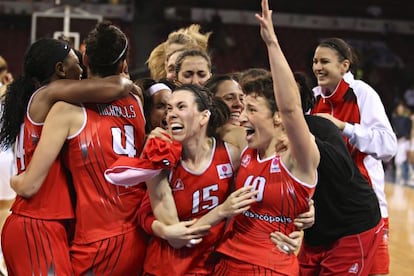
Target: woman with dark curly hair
x=107, y=239
x=51, y=73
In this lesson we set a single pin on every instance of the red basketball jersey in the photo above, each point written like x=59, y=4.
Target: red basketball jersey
x=111, y=130
x=195, y=194
x=280, y=199
x=52, y=201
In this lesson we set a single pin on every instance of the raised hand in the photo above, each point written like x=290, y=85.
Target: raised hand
x=266, y=24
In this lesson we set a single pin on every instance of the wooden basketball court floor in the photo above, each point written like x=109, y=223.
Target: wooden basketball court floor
x=401, y=243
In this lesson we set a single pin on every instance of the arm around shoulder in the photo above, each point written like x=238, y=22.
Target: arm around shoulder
x=90, y=90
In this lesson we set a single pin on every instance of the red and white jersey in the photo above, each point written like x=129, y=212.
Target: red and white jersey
x=110, y=130
x=280, y=199
x=368, y=133
x=52, y=201
x=195, y=194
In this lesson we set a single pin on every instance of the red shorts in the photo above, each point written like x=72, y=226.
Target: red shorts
x=382, y=257
x=119, y=255
x=35, y=247
x=349, y=255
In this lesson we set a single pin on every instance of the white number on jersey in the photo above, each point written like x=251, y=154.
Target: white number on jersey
x=258, y=184
x=124, y=146
x=207, y=201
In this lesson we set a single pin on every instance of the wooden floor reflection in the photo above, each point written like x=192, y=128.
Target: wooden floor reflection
x=401, y=243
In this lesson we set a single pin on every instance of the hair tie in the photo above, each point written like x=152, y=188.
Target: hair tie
x=58, y=51
x=114, y=61
x=334, y=46
x=155, y=88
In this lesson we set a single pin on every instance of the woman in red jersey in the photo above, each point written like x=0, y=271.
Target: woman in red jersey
x=106, y=238
x=284, y=182
x=41, y=220
x=200, y=182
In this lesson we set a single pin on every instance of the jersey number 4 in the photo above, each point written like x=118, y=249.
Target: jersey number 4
x=124, y=146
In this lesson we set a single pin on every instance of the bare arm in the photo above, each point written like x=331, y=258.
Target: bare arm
x=162, y=200
x=80, y=91
x=159, y=190
x=55, y=130
x=91, y=90
x=180, y=234
x=303, y=150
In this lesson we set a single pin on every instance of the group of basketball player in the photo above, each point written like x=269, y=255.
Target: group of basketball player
x=213, y=175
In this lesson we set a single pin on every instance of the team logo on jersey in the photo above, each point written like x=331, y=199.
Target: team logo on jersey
x=354, y=268
x=274, y=167
x=178, y=185
x=35, y=138
x=224, y=171
x=246, y=160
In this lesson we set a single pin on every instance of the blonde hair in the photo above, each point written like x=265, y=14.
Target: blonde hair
x=3, y=72
x=188, y=37
x=3, y=64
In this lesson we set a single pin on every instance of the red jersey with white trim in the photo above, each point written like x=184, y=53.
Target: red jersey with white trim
x=280, y=199
x=52, y=201
x=195, y=194
x=110, y=130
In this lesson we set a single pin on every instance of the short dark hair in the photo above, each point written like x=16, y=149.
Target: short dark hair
x=213, y=83
x=262, y=87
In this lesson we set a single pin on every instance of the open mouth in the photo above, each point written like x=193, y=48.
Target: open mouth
x=235, y=116
x=249, y=132
x=176, y=128
x=164, y=124
x=320, y=75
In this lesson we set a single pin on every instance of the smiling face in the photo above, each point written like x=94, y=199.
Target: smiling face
x=194, y=70
x=257, y=119
x=231, y=93
x=328, y=68
x=183, y=118
x=158, y=112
